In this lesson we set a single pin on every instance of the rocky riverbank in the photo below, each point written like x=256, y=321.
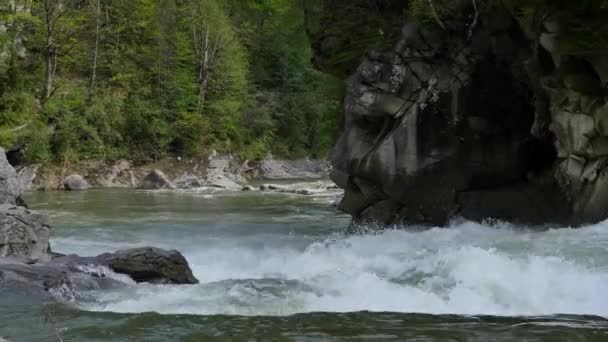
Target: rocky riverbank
x=27, y=261
x=214, y=171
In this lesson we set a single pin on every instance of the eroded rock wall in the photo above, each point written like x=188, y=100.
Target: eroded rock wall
x=489, y=121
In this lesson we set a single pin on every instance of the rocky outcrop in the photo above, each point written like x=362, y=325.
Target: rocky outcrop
x=156, y=180
x=489, y=120
x=292, y=169
x=10, y=187
x=26, y=176
x=23, y=233
x=109, y=178
x=75, y=183
x=224, y=172
x=27, y=262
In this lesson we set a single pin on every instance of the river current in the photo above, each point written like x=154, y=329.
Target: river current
x=280, y=267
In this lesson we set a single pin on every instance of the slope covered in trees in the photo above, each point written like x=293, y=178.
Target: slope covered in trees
x=144, y=79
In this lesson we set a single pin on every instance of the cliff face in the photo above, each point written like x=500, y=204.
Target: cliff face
x=481, y=121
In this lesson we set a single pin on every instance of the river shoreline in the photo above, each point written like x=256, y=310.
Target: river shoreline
x=220, y=171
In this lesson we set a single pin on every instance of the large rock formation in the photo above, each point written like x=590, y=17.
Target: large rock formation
x=481, y=118
x=26, y=260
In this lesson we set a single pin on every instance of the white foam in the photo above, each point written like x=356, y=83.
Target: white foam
x=468, y=269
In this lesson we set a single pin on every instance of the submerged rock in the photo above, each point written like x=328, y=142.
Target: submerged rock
x=156, y=180
x=75, y=183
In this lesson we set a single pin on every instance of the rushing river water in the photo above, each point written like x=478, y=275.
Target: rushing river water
x=277, y=267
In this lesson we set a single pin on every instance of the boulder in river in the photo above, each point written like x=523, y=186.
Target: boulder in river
x=144, y=264
x=156, y=180
x=150, y=264
x=75, y=183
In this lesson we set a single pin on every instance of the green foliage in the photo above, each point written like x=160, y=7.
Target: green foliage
x=154, y=92
x=582, y=25
x=38, y=149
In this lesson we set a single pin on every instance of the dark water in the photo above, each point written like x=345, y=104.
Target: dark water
x=277, y=267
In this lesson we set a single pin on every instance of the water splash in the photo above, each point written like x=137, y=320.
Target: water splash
x=469, y=269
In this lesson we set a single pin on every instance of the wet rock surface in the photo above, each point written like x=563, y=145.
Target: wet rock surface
x=27, y=262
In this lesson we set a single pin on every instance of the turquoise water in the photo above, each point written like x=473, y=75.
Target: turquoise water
x=278, y=267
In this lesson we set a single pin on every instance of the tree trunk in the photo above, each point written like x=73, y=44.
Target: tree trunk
x=204, y=70
x=50, y=57
x=95, y=48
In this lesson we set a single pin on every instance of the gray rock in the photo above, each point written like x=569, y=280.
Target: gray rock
x=27, y=175
x=23, y=233
x=109, y=177
x=156, y=180
x=75, y=183
x=10, y=187
x=224, y=172
x=188, y=181
x=222, y=182
x=292, y=169
x=149, y=264
x=36, y=278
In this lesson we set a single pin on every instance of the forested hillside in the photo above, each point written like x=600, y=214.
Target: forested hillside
x=144, y=79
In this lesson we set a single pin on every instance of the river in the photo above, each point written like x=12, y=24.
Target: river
x=279, y=267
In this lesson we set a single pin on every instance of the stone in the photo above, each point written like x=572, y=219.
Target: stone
x=151, y=265
x=24, y=233
x=598, y=147
x=601, y=120
x=274, y=169
x=223, y=182
x=108, y=178
x=36, y=278
x=499, y=129
x=10, y=187
x=188, y=181
x=27, y=175
x=573, y=131
x=75, y=183
x=156, y=180
x=573, y=167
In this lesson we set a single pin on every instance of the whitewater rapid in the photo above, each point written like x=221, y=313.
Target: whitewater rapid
x=469, y=269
